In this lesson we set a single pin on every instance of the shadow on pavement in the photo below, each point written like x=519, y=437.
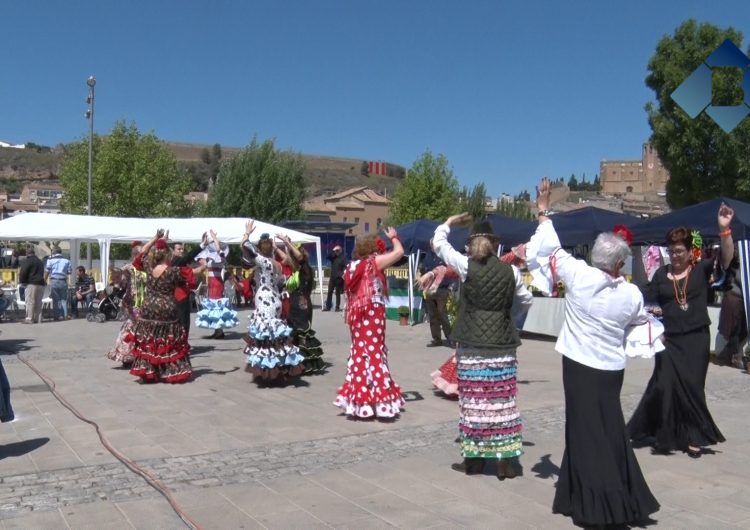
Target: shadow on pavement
x=13, y=346
x=21, y=448
x=545, y=468
x=198, y=372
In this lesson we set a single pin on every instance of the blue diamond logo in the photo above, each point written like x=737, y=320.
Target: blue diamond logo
x=694, y=93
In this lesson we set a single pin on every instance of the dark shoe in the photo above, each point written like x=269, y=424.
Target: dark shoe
x=505, y=469
x=694, y=453
x=470, y=466
x=449, y=343
x=326, y=309
x=435, y=343
x=338, y=310
x=720, y=360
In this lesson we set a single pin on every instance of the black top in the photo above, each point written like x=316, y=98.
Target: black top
x=338, y=264
x=661, y=290
x=31, y=272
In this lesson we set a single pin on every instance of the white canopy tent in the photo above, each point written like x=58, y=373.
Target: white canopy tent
x=105, y=230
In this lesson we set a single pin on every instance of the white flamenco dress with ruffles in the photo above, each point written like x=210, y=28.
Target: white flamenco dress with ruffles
x=217, y=312
x=270, y=351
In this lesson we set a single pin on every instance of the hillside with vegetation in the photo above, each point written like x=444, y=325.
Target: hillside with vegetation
x=323, y=174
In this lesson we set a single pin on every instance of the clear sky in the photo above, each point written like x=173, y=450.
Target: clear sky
x=507, y=91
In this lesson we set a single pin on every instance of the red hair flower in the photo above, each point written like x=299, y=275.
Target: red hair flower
x=625, y=233
x=161, y=244
x=381, y=246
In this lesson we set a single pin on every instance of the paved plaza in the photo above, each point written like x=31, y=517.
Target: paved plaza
x=239, y=456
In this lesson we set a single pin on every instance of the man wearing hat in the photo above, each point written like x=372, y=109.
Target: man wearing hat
x=31, y=275
x=336, y=281
x=57, y=271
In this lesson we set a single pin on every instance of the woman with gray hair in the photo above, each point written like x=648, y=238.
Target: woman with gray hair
x=600, y=481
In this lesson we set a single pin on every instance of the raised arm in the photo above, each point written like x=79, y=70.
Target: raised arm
x=389, y=258
x=292, y=251
x=249, y=252
x=725, y=233
x=445, y=251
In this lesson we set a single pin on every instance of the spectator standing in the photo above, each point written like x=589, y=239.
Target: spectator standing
x=336, y=281
x=31, y=275
x=57, y=271
x=182, y=292
x=85, y=290
x=435, y=302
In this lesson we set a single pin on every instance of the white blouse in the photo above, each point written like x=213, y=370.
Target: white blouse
x=599, y=309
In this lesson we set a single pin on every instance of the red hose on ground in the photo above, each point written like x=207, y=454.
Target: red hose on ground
x=135, y=468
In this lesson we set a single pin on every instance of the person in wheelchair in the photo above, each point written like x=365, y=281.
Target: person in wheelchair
x=85, y=290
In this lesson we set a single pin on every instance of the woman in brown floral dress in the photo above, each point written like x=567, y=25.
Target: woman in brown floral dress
x=160, y=345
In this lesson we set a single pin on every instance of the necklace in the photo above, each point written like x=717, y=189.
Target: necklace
x=680, y=292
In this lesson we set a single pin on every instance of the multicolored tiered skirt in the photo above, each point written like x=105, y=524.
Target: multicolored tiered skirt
x=489, y=423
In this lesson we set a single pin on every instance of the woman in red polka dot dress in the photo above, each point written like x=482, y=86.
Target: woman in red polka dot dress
x=369, y=391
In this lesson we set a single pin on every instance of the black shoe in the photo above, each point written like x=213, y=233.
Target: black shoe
x=720, y=360
x=338, y=310
x=694, y=453
x=435, y=343
x=470, y=466
x=505, y=469
x=326, y=309
x=449, y=343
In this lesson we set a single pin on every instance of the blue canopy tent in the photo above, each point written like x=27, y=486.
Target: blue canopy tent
x=509, y=230
x=701, y=217
x=581, y=226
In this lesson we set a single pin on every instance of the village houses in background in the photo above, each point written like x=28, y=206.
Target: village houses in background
x=636, y=187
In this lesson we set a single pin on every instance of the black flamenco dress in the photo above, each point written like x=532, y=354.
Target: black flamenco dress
x=300, y=320
x=673, y=411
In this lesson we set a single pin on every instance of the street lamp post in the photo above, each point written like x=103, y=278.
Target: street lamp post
x=91, y=82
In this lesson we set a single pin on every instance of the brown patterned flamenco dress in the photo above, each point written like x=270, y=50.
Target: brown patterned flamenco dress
x=160, y=345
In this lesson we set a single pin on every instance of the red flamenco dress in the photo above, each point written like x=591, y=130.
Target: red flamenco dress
x=160, y=345
x=369, y=391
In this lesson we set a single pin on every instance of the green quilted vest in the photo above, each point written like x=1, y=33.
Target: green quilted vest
x=484, y=306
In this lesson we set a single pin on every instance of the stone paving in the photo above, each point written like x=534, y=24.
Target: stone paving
x=239, y=456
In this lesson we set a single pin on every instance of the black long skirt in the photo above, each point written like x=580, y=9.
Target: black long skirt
x=600, y=480
x=673, y=411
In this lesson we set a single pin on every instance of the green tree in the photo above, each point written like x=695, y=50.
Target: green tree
x=134, y=175
x=473, y=201
x=260, y=182
x=702, y=159
x=573, y=182
x=429, y=191
x=205, y=156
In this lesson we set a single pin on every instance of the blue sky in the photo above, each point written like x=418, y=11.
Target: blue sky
x=507, y=91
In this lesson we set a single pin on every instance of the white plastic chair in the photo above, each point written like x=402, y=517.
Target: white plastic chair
x=99, y=286
x=20, y=304
x=47, y=298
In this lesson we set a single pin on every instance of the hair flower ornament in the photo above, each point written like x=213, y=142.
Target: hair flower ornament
x=697, y=245
x=381, y=246
x=624, y=232
x=161, y=244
